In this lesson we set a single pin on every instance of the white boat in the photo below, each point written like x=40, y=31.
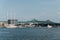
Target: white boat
x=21, y=27
x=49, y=26
x=11, y=26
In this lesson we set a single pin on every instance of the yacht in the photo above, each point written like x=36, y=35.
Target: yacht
x=11, y=26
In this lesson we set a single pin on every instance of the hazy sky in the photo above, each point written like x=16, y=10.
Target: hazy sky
x=30, y=9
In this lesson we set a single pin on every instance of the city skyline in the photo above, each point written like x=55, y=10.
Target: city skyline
x=30, y=9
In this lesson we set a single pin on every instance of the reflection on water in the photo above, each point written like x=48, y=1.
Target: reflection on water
x=30, y=34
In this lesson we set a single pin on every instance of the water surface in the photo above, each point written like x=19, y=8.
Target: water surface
x=30, y=34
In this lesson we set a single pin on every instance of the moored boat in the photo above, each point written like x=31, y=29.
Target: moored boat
x=49, y=26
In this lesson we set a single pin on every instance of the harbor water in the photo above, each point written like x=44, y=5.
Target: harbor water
x=30, y=33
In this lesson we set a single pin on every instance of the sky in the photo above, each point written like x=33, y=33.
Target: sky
x=30, y=9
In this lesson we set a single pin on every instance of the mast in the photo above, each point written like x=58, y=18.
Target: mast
x=7, y=14
x=14, y=13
